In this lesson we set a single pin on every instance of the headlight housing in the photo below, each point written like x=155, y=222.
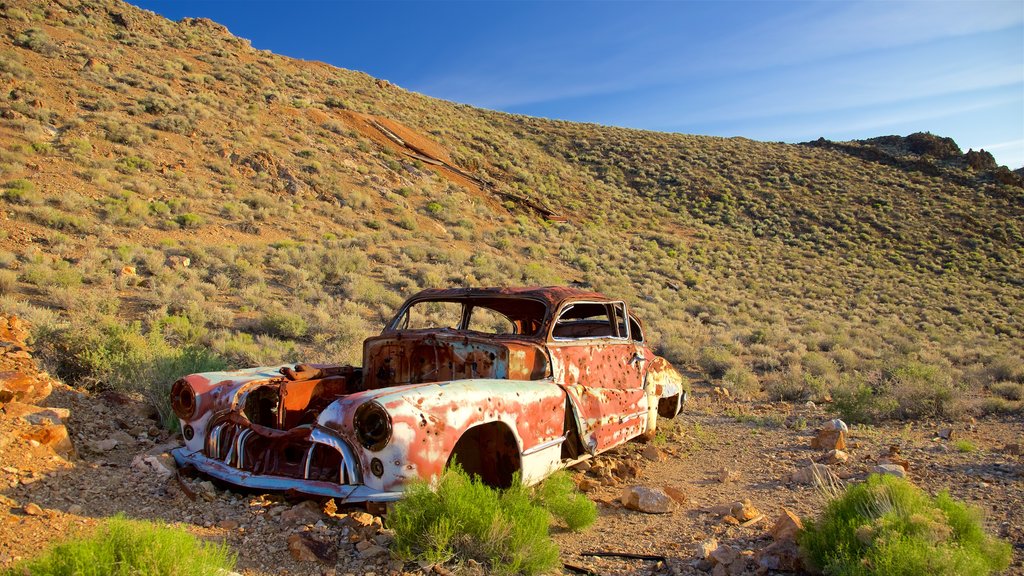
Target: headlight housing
x=183, y=400
x=372, y=424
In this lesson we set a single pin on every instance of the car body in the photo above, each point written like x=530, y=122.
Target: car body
x=501, y=380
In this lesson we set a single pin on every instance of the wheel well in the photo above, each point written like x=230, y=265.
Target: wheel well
x=489, y=451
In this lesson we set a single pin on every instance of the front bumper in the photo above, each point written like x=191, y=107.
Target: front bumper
x=344, y=493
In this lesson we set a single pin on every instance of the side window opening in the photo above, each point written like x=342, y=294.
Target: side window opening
x=591, y=320
x=635, y=332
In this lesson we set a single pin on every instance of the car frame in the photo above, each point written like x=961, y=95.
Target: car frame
x=524, y=381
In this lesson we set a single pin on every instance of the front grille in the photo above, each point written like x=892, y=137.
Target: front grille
x=243, y=448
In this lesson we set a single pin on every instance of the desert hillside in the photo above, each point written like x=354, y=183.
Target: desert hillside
x=175, y=200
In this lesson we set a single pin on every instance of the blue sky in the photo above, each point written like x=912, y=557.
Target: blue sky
x=766, y=70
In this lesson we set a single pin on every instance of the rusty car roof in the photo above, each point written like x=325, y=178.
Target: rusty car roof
x=550, y=295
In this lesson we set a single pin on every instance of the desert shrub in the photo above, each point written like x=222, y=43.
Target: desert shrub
x=241, y=349
x=122, y=547
x=559, y=496
x=104, y=352
x=57, y=273
x=21, y=191
x=189, y=220
x=887, y=526
x=36, y=40
x=284, y=324
x=716, y=361
x=1007, y=390
x=8, y=281
x=464, y=519
x=741, y=382
x=1006, y=368
x=920, y=390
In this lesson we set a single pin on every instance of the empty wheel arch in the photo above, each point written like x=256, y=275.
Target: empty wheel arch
x=489, y=451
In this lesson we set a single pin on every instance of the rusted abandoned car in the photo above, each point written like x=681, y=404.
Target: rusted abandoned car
x=501, y=380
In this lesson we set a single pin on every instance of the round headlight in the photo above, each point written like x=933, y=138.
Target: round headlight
x=183, y=400
x=373, y=426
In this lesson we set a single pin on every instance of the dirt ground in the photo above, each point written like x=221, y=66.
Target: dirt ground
x=715, y=453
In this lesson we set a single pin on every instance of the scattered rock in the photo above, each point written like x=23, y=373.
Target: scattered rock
x=31, y=509
x=893, y=457
x=153, y=465
x=584, y=466
x=724, y=554
x=829, y=439
x=945, y=433
x=206, y=490
x=652, y=453
x=705, y=548
x=175, y=261
x=836, y=424
x=787, y=526
x=306, y=549
x=75, y=509
x=54, y=436
x=813, y=474
x=744, y=511
x=306, y=512
x=835, y=457
x=228, y=524
x=725, y=475
x=1013, y=449
x=783, y=555
x=587, y=485
x=676, y=494
x=127, y=272
x=647, y=500
x=890, y=469
x=103, y=445
x=24, y=387
x=372, y=551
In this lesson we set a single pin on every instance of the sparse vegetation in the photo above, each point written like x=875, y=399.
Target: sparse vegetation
x=122, y=547
x=887, y=526
x=507, y=530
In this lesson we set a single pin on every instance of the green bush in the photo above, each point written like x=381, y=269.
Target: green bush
x=107, y=353
x=284, y=324
x=559, y=496
x=122, y=547
x=716, y=361
x=464, y=519
x=887, y=526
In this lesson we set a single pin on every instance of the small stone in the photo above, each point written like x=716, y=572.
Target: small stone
x=652, y=453
x=676, y=494
x=75, y=509
x=744, y=511
x=783, y=555
x=1013, y=449
x=32, y=509
x=945, y=433
x=813, y=474
x=726, y=475
x=228, y=524
x=584, y=466
x=587, y=485
x=306, y=512
x=705, y=548
x=828, y=439
x=55, y=436
x=207, y=491
x=836, y=424
x=647, y=500
x=104, y=445
x=787, y=526
x=890, y=469
x=724, y=554
x=836, y=457
x=372, y=551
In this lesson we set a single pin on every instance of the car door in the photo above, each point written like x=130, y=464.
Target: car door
x=601, y=370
